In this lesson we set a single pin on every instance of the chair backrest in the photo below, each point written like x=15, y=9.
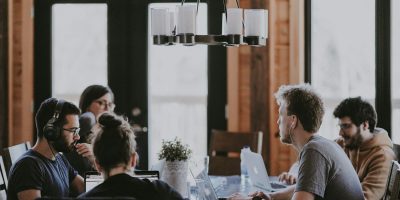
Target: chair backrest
x=225, y=147
x=396, y=149
x=3, y=180
x=11, y=154
x=393, y=182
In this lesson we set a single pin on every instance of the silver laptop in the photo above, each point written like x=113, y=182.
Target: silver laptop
x=207, y=189
x=258, y=173
x=92, y=179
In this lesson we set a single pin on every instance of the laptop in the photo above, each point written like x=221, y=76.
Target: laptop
x=258, y=173
x=207, y=189
x=94, y=178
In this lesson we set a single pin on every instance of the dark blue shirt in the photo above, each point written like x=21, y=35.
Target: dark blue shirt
x=34, y=171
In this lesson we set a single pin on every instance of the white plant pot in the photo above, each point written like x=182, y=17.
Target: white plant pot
x=175, y=174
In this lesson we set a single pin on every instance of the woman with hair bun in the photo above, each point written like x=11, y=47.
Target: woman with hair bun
x=114, y=148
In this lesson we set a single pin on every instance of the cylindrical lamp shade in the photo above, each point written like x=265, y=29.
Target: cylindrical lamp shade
x=256, y=22
x=171, y=22
x=223, y=31
x=186, y=19
x=160, y=21
x=234, y=22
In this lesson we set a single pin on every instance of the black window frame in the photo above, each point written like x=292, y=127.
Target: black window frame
x=383, y=98
x=129, y=89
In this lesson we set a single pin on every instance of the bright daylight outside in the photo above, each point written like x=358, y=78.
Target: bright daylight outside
x=84, y=26
x=343, y=54
x=178, y=101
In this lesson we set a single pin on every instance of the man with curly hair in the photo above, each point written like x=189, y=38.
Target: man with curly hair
x=369, y=149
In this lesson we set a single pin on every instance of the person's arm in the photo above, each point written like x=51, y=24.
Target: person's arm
x=29, y=194
x=284, y=194
x=291, y=176
x=374, y=183
x=301, y=195
x=78, y=184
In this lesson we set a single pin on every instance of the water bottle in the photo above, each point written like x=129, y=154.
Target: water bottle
x=243, y=169
x=244, y=176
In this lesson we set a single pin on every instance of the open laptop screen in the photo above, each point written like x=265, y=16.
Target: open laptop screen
x=94, y=178
x=151, y=175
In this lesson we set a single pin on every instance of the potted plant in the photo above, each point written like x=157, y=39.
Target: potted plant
x=175, y=169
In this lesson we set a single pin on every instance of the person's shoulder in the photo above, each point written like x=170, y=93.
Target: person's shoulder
x=318, y=142
x=165, y=190
x=30, y=158
x=382, y=153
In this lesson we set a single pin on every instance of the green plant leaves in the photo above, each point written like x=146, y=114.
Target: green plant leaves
x=174, y=150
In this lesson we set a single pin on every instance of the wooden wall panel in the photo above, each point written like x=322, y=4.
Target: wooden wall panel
x=20, y=72
x=260, y=72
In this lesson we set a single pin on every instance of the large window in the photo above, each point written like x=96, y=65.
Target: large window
x=79, y=48
x=342, y=54
x=177, y=91
x=395, y=69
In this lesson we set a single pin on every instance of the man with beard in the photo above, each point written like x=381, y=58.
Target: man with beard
x=369, y=148
x=42, y=170
x=324, y=170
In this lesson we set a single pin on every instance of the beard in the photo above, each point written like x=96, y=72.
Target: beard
x=353, y=142
x=286, y=138
x=61, y=145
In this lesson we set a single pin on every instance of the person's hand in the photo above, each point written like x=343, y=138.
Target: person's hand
x=238, y=196
x=85, y=150
x=260, y=195
x=287, y=178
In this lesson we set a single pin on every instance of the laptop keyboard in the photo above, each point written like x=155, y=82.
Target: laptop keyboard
x=277, y=185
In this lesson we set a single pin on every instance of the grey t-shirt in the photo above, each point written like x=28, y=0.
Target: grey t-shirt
x=326, y=171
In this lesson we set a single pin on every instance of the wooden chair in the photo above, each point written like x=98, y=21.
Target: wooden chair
x=393, y=182
x=3, y=180
x=11, y=154
x=225, y=147
x=396, y=149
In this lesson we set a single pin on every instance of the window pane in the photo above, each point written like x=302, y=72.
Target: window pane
x=178, y=91
x=79, y=48
x=395, y=70
x=343, y=54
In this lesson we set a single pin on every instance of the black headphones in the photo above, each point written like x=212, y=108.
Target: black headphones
x=51, y=130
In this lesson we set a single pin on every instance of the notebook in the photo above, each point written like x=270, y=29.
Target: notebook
x=258, y=173
x=94, y=178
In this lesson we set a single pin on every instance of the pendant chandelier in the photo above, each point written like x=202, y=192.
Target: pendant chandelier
x=239, y=26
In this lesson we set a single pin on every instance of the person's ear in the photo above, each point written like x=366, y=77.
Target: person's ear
x=365, y=125
x=293, y=124
x=97, y=165
x=134, y=159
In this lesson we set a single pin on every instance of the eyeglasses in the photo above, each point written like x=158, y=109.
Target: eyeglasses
x=75, y=131
x=103, y=104
x=345, y=126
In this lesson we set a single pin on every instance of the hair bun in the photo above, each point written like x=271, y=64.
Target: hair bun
x=108, y=120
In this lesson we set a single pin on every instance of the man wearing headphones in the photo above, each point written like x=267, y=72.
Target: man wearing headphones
x=42, y=171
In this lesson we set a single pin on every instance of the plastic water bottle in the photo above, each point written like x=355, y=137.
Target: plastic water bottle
x=243, y=169
x=244, y=176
